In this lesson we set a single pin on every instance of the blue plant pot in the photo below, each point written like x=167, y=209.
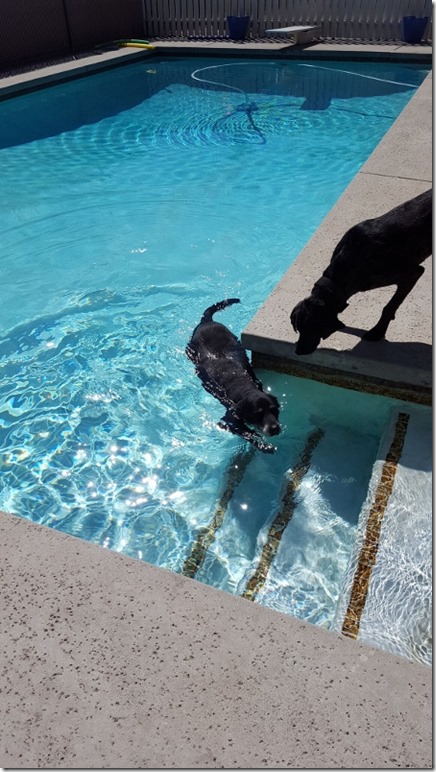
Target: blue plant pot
x=413, y=28
x=238, y=27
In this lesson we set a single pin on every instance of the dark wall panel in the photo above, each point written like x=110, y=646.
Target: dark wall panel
x=32, y=29
x=38, y=30
x=100, y=21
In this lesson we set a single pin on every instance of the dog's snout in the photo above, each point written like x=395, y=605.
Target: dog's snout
x=305, y=347
x=271, y=427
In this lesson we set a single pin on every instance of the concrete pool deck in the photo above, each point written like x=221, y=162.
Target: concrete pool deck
x=109, y=662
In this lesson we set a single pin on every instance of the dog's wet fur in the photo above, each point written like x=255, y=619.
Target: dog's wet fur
x=374, y=253
x=226, y=372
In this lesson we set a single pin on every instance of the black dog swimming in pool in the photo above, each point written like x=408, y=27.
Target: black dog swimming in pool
x=374, y=253
x=222, y=365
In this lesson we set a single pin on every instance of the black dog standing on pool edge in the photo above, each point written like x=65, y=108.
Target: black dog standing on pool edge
x=222, y=365
x=374, y=253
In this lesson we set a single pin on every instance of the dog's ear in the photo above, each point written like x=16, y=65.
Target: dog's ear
x=274, y=400
x=300, y=312
x=294, y=315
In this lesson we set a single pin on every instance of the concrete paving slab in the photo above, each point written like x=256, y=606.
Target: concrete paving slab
x=26, y=81
x=108, y=662
x=405, y=150
x=282, y=47
x=220, y=47
x=370, y=48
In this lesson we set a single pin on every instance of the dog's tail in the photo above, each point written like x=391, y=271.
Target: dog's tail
x=208, y=314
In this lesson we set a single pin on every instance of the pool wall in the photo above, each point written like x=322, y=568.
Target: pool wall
x=111, y=662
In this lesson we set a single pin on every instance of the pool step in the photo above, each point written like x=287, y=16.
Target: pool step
x=206, y=536
x=302, y=553
x=386, y=596
x=283, y=517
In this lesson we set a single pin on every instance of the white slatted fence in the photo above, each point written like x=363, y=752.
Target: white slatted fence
x=338, y=19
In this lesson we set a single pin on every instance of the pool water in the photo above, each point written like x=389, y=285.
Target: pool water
x=130, y=201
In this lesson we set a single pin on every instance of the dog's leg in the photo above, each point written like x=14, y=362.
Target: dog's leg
x=235, y=426
x=254, y=376
x=403, y=288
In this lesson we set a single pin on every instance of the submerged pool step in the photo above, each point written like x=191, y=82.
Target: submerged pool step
x=283, y=517
x=386, y=595
x=235, y=473
x=206, y=536
x=371, y=536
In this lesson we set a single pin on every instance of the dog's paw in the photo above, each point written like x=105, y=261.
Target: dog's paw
x=266, y=447
x=241, y=430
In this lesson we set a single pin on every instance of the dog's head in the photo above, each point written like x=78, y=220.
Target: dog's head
x=261, y=410
x=314, y=320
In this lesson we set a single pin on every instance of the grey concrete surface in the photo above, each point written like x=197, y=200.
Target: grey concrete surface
x=108, y=662
x=398, y=169
x=14, y=84
x=318, y=50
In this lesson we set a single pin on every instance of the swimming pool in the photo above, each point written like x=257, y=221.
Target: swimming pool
x=131, y=200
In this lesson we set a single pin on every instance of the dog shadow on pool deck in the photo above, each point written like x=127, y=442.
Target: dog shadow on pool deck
x=406, y=353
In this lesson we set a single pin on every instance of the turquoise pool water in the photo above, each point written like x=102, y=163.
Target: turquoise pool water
x=130, y=201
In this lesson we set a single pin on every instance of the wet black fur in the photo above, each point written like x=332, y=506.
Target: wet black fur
x=225, y=371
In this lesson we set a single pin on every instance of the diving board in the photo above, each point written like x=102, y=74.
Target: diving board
x=298, y=34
